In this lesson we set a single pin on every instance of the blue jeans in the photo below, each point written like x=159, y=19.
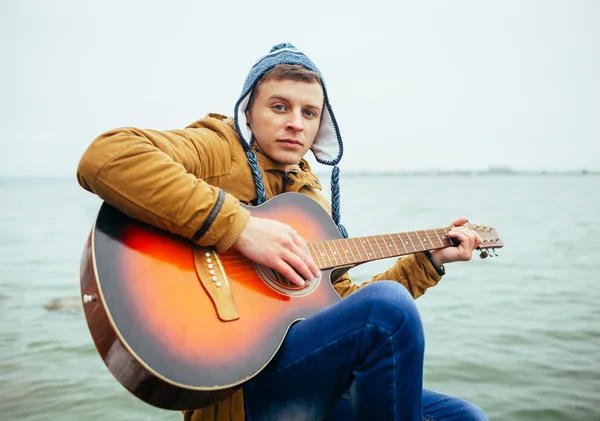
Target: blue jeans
x=368, y=346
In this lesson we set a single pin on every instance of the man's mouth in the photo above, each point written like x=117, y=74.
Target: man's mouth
x=290, y=141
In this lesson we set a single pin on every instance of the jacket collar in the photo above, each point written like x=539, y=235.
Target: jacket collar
x=300, y=172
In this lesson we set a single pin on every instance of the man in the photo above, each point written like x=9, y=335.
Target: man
x=360, y=359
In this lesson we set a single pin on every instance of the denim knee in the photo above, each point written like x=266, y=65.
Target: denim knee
x=466, y=411
x=473, y=413
x=392, y=307
x=450, y=408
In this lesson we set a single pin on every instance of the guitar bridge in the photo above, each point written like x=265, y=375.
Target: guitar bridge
x=212, y=277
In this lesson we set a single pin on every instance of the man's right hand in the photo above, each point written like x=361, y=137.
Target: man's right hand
x=276, y=245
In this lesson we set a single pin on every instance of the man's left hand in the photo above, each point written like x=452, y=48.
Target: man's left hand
x=469, y=240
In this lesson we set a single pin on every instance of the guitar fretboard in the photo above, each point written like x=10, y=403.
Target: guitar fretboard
x=351, y=251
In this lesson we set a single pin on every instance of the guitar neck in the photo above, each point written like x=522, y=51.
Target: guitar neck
x=352, y=251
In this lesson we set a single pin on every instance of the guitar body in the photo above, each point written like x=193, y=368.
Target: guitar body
x=156, y=327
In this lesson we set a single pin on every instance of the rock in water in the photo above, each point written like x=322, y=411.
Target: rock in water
x=63, y=304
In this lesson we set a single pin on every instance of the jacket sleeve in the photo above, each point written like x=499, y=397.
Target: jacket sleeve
x=159, y=177
x=415, y=272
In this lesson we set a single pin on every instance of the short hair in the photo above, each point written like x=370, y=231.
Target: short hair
x=285, y=72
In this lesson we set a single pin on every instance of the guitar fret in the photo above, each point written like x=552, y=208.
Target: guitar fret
x=349, y=249
x=411, y=241
x=448, y=241
x=403, y=245
x=430, y=242
x=323, y=253
x=439, y=239
x=330, y=255
x=362, y=259
x=340, y=252
x=377, y=242
x=317, y=256
x=406, y=242
x=363, y=242
x=386, y=245
x=400, y=241
x=336, y=252
x=419, y=238
x=315, y=253
x=437, y=233
x=356, y=260
x=333, y=254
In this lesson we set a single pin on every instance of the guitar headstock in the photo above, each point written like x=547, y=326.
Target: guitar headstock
x=489, y=237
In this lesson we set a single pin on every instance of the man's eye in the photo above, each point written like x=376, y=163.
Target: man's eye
x=309, y=113
x=278, y=107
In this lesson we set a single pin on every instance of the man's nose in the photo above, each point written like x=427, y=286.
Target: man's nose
x=295, y=121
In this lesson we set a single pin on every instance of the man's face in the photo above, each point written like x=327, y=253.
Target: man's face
x=285, y=118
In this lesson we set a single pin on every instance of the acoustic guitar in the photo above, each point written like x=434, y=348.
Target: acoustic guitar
x=181, y=327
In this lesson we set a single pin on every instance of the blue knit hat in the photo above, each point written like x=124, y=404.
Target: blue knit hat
x=327, y=146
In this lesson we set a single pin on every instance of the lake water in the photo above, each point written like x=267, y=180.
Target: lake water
x=518, y=334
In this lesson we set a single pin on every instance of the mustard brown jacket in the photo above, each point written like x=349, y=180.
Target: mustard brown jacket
x=173, y=180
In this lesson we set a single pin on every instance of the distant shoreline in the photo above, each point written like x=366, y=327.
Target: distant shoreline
x=470, y=173
x=377, y=173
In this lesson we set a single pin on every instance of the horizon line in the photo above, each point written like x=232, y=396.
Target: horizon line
x=358, y=172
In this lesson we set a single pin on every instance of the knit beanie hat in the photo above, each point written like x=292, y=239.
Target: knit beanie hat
x=327, y=146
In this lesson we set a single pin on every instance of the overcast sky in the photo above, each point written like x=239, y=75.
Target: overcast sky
x=414, y=85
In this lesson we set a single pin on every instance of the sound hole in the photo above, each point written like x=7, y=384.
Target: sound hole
x=282, y=285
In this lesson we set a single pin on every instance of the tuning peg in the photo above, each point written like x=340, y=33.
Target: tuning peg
x=483, y=254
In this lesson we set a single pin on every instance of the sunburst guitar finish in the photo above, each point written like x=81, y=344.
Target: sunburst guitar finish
x=149, y=300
